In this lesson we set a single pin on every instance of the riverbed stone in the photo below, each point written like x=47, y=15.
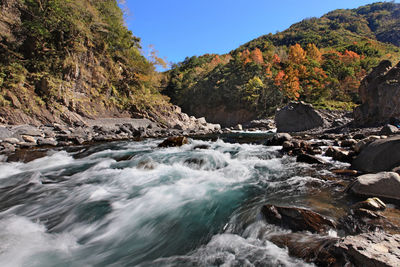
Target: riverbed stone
x=297, y=117
x=385, y=185
x=296, y=219
x=174, y=141
x=371, y=249
x=310, y=159
x=380, y=155
x=389, y=130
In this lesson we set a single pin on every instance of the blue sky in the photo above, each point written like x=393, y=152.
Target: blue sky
x=181, y=28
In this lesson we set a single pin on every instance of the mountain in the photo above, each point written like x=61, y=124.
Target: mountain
x=64, y=60
x=318, y=60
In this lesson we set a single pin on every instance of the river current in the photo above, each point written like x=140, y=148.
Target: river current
x=131, y=203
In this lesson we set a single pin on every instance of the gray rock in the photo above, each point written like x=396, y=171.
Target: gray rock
x=5, y=133
x=11, y=140
x=278, y=139
x=380, y=93
x=27, y=130
x=371, y=249
x=47, y=142
x=385, y=185
x=297, y=117
x=380, y=155
x=389, y=130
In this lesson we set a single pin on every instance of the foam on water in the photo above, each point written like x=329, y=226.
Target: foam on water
x=132, y=203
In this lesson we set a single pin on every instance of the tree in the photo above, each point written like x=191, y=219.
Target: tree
x=313, y=52
x=257, y=56
x=297, y=54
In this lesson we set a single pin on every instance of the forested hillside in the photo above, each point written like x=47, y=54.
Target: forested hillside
x=318, y=60
x=65, y=59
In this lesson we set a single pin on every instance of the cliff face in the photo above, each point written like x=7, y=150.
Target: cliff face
x=380, y=95
x=63, y=61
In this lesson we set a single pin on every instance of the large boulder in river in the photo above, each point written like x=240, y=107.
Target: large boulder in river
x=385, y=185
x=297, y=117
x=380, y=95
x=174, y=141
x=296, y=219
x=380, y=155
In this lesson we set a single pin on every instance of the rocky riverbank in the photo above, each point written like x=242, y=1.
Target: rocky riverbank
x=13, y=137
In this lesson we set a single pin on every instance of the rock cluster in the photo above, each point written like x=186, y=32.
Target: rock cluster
x=99, y=130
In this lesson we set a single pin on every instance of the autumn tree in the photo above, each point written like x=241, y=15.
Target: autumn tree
x=257, y=56
x=313, y=52
x=297, y=54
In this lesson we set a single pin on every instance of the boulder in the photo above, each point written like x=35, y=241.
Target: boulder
x=380, y=95
x=385, y=185
x=371, y=249
x=297, y=117
x=296, y=219
x=338, y=154
x=310, y=159
x=174, y=141
x=389, y=130
x=311, y=248
x=380, y=155
x=278, y=139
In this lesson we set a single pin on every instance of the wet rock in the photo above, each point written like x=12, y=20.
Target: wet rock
x=201, y=147
x=147, y=164
x=309, y=159
x=174, y=141
x=278, y=139
x=385, y=185
x=389, y=130
x=373, y=204
x=195, y=162
x=338, y=154
x=297, y=117
x=371, y=249
x=311, y=248
x=380, y=155
x=296, y=219
x=348, y=143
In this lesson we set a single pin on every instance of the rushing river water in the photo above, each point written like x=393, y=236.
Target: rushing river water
x=131, y=203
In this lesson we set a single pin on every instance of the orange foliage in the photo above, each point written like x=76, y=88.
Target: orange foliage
x=257, y=56
x=296, y=54
x=245, y=56
x=279, y=78
x=350, y=56
x=276, y=59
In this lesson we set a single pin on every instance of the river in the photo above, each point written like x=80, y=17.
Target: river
x=131, y=203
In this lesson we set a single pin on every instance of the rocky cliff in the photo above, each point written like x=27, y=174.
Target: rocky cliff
x=380, y=95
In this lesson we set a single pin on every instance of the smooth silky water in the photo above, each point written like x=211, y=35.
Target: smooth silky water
x=131, y=203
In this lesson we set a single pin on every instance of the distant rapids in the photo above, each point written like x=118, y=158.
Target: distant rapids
x=131, y=203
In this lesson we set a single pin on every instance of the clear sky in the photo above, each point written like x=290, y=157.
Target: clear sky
x=181, y=28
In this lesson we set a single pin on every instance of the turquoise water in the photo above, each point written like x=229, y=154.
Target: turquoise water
x=131, y=203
